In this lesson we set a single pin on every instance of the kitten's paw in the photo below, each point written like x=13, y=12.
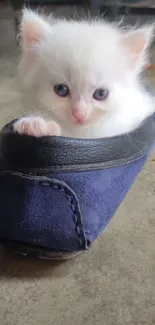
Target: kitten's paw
x=36, y=126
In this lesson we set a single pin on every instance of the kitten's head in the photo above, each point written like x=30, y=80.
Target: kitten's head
x=76, y=67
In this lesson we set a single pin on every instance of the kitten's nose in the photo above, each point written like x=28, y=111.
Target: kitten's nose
x=79, y=114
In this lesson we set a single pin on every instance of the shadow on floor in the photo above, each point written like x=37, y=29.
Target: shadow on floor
x=16, y=266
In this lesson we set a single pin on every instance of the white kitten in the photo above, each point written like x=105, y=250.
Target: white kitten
x=85, y=76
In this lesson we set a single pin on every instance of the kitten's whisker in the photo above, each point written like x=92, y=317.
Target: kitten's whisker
x=58, y=73
x=133, y=143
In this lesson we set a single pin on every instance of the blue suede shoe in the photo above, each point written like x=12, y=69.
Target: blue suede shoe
x=58, y=194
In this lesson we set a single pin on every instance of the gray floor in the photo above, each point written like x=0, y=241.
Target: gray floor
x=113, y=283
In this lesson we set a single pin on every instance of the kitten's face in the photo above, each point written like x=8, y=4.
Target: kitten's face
x=75, y=100
x=77, y=108
x=80, y=72
x=78, y=66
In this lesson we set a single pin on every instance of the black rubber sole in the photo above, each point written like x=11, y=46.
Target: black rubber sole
x=34, y=251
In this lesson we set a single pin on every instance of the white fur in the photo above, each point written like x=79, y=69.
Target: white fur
x=85, y=55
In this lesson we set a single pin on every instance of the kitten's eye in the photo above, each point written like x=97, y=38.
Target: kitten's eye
x=100, y=94
x=61, y=90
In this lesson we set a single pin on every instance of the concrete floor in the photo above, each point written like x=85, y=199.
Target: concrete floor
x=113, y=283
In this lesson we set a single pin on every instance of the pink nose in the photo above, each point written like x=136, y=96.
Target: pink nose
x=78, y=114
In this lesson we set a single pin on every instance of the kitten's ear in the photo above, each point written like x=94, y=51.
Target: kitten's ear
x=33, y=28
x=138, y=42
